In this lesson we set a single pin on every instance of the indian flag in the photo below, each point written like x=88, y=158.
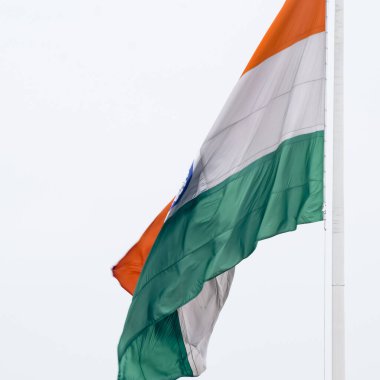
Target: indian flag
x=259, y=173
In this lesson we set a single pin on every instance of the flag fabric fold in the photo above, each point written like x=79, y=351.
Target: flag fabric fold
x=259, y=173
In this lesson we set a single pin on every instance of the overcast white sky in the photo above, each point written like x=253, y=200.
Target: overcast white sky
x=103, y=105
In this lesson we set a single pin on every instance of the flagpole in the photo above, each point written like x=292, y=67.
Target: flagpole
x=338, y=275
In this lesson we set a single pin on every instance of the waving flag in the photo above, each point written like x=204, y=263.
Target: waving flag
x=259, y=173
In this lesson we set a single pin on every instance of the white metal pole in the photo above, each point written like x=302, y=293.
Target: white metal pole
x=338, y=278
x=328, y=185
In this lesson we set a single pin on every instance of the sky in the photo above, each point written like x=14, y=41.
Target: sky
x=103, y=106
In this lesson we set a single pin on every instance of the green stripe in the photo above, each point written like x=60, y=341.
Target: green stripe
x=211, y=234
x=158, y=354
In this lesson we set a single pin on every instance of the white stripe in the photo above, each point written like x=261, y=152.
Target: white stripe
x=198, y=317
x=281, y=98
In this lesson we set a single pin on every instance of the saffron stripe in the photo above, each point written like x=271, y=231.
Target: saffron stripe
x=298, y=19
